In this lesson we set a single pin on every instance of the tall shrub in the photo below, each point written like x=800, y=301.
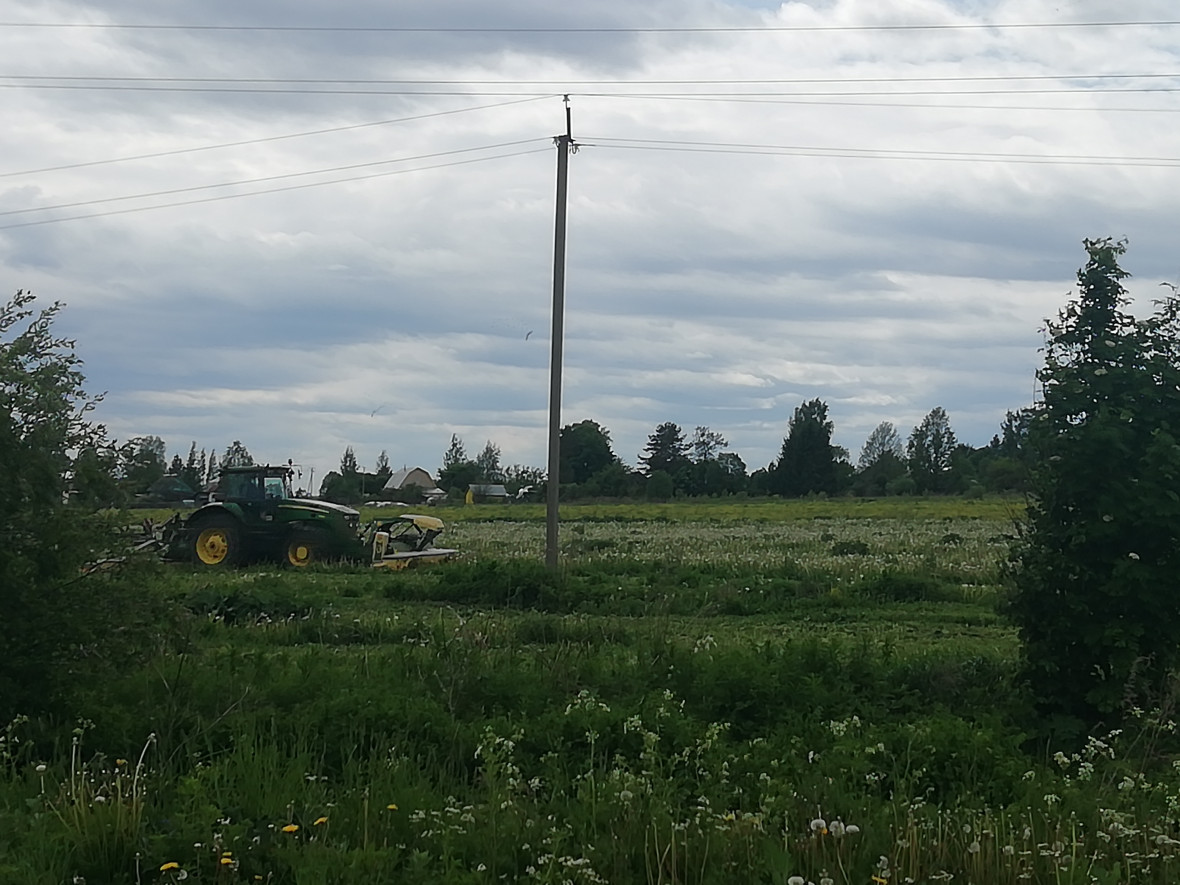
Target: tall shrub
x=1096, y=578
x=59, y=627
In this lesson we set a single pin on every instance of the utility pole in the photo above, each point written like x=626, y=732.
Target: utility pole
x=565, y=146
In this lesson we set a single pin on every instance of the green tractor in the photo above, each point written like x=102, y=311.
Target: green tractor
x=255, y=516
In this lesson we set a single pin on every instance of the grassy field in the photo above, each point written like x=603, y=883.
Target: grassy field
x=814, y=691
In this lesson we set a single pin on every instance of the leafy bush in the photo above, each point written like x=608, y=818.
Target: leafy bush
x=62, y=623
x=1094, y=571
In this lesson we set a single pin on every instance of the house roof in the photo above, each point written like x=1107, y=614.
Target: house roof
x=399, y=479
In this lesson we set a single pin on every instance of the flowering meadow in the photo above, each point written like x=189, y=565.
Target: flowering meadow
x=700, y=695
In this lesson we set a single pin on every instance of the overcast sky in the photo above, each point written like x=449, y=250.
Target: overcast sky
x=311, y=224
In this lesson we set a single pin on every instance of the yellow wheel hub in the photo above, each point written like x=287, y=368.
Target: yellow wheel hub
x=213, y=546
x=300, y=554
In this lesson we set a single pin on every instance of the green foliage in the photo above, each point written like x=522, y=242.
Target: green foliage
x=660, y=486
x=883, y=441
x=881, y=476
x=807, y=462
x=63, y=625
x=929, y=452
x=666, y=450
x=1094, y=579
x=237, y=455
x=457, y=471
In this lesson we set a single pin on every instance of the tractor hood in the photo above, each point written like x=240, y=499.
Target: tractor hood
x=318, y=506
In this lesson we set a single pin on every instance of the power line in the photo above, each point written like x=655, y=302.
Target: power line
x=614, y=81
x=876, y=153
x=887, y=104
x=1163, y=90
x=741, y=29
x=274, y=90
x=291, y=187
x=278, y=90
x=212, y=147
x=244, y=181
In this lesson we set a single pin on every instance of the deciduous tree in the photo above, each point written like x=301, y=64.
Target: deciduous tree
x=706, y=444
x=929, y=450
x=60, y=627
x=585, y=451
x=1094, y=581
x=884, y=440
x=488, y=463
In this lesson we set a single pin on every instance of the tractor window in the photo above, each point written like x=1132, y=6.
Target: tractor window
x=276, y=487
x=241, y=487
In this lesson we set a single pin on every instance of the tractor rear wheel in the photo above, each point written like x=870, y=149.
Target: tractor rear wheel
x=217, y=542
x=305, y=548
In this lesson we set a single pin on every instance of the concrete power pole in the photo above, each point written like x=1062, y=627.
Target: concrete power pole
x=565, y=146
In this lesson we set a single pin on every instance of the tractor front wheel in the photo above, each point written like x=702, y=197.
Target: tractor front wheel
x=217, y=543
x=305, y=548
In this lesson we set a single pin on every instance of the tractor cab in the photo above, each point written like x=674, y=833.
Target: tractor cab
x=254, y=484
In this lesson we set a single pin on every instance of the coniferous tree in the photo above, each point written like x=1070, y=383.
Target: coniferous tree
x=807, y=461
x=666, y=450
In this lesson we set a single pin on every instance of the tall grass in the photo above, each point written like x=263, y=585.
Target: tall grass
x=841, y=711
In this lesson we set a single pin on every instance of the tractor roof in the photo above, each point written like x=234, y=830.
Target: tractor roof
x=268, y=469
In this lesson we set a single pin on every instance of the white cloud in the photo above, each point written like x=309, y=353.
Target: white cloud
x=705, y=285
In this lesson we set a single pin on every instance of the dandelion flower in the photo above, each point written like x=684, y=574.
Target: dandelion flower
x=41, y=768
x=291, y=828
x=319, y=820
x=226, y=861
x=819, y=825
x=392, y=806
x=171, y=865
x=795, y=880
x=852, y=829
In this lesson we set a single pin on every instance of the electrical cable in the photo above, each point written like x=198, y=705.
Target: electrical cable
x=779, y=81
x=291, y=187
x=874, y=153
x=245, y=181
x=269, y=138
x=740, y=29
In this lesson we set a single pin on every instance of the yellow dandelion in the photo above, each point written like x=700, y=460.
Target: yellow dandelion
x=226, y=861
x=291, y=828
x=120, y=761
x=171, y=865
x=227, y=854
x=391, y=807
x=319, y=820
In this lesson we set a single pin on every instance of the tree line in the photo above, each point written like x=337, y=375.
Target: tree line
x=930, y=460
x=107, y=473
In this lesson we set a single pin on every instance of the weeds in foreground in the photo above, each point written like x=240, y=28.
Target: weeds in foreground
x=651, y=795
